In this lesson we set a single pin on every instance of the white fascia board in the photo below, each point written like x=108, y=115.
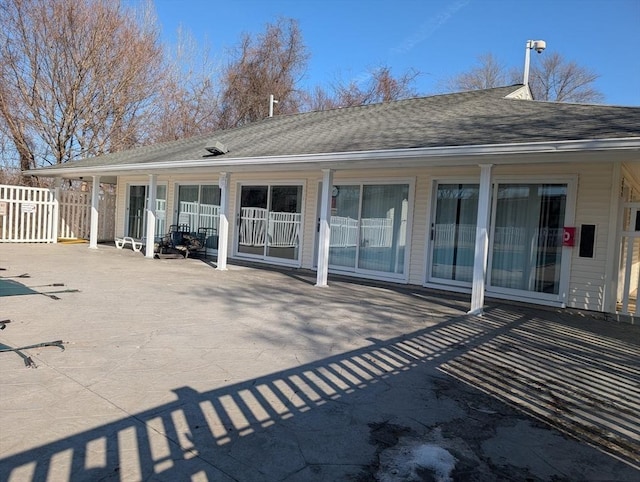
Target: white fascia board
x=424, y=153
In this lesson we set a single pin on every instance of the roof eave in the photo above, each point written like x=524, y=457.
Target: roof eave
x=335, y=158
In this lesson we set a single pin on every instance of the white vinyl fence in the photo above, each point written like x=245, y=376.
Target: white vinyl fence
x=284, y=229
x=28, y=215
x=257, y=226
x=344, y=232
x=253, y=226
x=198, y=215
x=374, y=232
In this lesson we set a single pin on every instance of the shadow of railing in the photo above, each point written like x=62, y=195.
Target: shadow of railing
x=584, y=384
x=255, y=430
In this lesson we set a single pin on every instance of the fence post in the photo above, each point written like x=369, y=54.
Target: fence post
x=56, y=209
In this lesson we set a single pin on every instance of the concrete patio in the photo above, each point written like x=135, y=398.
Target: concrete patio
x=175, y=371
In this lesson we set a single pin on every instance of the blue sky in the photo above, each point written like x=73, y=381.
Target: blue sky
x=439, y=38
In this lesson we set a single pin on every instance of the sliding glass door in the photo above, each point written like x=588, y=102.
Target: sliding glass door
x=199, y=207
x=453, y=233
x=525, y=243
x=369, y=228
x=345, y=225
x=137, y=210
x=270, y=222
x=526, y=251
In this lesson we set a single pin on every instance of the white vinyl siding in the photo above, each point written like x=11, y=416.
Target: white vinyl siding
x=419, y=232
x=310, y=222
x=587, y=281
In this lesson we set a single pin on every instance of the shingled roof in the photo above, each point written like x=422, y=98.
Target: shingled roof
x=482, y=117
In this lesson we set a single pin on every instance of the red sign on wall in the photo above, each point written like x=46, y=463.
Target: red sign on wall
x=569, y=236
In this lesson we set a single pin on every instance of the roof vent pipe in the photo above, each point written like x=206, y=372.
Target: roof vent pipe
x=271, y=102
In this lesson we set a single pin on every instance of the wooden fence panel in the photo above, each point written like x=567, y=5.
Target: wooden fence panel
x=75, y=215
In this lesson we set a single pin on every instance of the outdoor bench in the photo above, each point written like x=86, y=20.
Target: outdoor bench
x=136, y=244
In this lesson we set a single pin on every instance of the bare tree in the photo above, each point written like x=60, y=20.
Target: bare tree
x=271, y=63
x=76, y=77
x=187, y=100
x=10, y=172
x=488, y=73
x=552, y=78
x=319, y=99
x=379, y=86
x=556, y=79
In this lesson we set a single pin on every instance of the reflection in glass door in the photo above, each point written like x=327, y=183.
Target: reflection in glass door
x=383, y=227
x=369, y=228
x=199, y=207
x=137, y=211
x=453, y=232
x=527, y=237
x=345, y=215
x=137, y=215
x=270, y=221
x=285, y=216
x=253, y=220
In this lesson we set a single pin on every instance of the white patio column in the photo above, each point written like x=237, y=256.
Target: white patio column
x=95, y=200
x=151, y=216
x=223, y=223
x=482, y=241
x=56, y=209
x=325, y=228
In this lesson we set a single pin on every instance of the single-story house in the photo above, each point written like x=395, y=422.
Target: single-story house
x=485, y=192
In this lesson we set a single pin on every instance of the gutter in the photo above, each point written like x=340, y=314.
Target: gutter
x=624, y=144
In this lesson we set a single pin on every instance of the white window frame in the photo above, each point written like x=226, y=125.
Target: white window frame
x=561, y=298
x=372, y=274
x=269, y=184
x=176, y=196
x=429, y=280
